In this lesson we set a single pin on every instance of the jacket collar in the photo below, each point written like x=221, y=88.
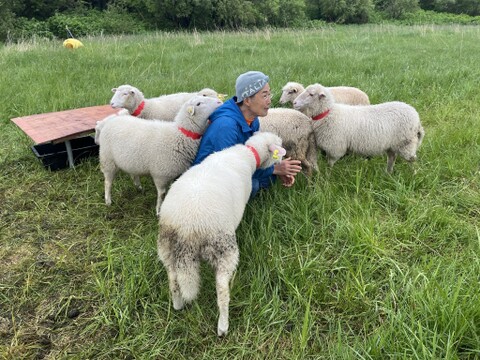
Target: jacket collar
x=231, y=108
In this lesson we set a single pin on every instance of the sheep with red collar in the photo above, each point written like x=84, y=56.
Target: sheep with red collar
x=158, y=148
x=392, y=127
x=164, y=107
x=201, y=213
x=342, y=94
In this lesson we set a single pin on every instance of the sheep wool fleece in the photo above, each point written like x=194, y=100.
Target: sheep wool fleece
x=228, y=128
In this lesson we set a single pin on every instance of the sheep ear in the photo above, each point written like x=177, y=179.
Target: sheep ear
x=114, y=90
x=277, y=152
x=191, y=110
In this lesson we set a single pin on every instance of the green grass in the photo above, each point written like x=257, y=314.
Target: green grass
x=353, y=263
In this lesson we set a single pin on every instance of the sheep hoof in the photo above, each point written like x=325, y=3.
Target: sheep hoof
x=222, y=331
x=178, y=304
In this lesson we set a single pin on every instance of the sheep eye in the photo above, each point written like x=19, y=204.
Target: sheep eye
x=198, y=104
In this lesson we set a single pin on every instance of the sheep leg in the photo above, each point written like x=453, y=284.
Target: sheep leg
x=390, y=160
x=225, y=262
x=164, y=249
x=109, y=176
x=331, y=160
x=136, y=181
x=159, y=184
x=177, y=300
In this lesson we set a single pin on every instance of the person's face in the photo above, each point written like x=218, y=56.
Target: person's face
x=259, y=103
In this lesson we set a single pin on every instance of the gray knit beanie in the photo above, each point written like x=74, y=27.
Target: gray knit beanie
x=249, y=83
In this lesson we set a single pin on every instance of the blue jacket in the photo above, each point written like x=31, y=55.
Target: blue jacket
x=227, y=128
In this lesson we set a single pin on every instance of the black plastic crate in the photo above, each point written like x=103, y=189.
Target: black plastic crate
x=55, y=157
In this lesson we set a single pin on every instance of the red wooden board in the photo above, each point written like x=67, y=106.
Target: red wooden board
x=62, y=125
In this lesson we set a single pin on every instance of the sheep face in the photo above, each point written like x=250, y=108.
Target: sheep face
x=312, y=101
x=268, y=146
x=290, y=92
x=124, y=97
x=196, y=111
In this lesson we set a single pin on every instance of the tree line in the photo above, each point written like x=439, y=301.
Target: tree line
x=49, y=18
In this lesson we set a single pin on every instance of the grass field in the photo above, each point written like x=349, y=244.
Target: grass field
x=353, y=263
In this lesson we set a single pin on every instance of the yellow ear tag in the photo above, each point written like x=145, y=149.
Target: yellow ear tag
x=191, y=110
x=222, y=97
x=275, y=154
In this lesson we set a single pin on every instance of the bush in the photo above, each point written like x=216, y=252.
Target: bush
x=346, y=12
x=431, y=17
x=94, y=23
x=397, y=9
x=23, y=28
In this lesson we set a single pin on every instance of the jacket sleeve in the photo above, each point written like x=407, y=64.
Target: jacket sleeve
x=265, y=176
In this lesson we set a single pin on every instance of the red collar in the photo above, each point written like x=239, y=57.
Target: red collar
x=322, y=115
x=190, y=134
x=255, y=153
x=139, y=109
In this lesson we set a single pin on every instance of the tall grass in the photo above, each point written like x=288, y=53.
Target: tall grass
x=353, y=263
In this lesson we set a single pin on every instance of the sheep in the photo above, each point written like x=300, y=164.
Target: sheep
x=391, y=127
x=342, y=94
x=200, y=214
x=158, y=148
x=296, y=132
x=165, y=107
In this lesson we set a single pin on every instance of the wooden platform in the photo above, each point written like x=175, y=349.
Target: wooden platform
x=63, y=126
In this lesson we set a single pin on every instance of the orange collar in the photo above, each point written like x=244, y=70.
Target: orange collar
x=190, y=134
x=139, y=109
x=255, y=153
x=322, y=115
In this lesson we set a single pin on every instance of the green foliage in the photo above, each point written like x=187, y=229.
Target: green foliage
x=8, y=18
x=42, y=10
x=345, y=11
x=431, y=17
x=397, y=9
x=93, y=23
x=23, y=18
x=24, y=28
x=468, y=7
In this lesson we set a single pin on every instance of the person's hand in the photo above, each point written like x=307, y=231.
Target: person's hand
x=287, y=167
x=287, y=180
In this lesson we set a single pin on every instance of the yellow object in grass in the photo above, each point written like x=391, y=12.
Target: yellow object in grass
x=72, y=43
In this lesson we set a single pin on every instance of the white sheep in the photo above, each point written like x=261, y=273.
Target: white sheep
x=158, y=148
x=165, y=107
x=296, y=132
x=391, y=127
x=342, y=94
x=201, y=213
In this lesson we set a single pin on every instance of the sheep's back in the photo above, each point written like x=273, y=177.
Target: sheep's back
x=369, y=129
x=209, y=197
x=144, y=146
